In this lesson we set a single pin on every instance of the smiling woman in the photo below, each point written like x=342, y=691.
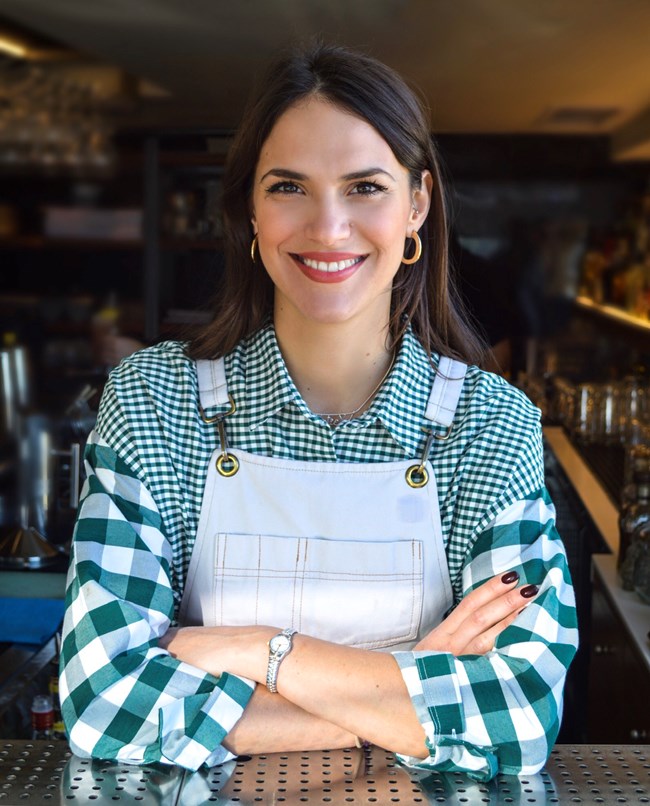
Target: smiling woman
x=321, y=520
x=340, y=211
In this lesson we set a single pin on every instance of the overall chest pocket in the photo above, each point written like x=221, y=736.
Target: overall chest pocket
x=359, y=593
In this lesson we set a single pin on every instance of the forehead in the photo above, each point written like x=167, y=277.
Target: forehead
x=320, y=133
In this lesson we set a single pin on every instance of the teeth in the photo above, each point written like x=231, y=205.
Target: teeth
x=337, y=265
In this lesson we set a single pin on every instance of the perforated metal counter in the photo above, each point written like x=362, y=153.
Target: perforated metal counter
x=43, y=772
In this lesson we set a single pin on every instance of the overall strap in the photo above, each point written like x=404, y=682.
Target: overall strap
x=213, y=387
x=445, y=392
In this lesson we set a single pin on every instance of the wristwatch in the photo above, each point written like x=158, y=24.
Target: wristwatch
x=279, y=647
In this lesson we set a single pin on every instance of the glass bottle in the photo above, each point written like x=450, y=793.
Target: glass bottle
x=640, y=550
x=614, y=275
x=635, y=511
x=42, y=717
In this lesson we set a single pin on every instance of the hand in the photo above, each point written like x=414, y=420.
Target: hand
x=473, y=626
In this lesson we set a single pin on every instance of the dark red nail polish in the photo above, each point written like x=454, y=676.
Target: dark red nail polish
x=528, y=591
x=511, y=576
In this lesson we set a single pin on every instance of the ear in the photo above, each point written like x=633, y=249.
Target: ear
x=254, y=225
x=421, y=202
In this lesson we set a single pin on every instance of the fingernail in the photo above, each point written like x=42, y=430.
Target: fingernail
x=528, y=591
x=511, y=576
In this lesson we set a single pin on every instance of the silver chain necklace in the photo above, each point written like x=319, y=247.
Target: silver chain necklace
x=335, y=418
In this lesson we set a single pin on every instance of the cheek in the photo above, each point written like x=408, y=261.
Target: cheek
x=276, y=225
x=388, y=232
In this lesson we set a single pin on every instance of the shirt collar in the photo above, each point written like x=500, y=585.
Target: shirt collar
x=399, y=405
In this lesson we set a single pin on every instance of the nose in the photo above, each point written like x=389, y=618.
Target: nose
x=328, y=221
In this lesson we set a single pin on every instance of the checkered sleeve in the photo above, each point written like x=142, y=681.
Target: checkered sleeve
x=123, y=697
x=501, y=712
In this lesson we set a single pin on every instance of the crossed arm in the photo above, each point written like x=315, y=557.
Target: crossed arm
x=327, y=693
x=125, y=697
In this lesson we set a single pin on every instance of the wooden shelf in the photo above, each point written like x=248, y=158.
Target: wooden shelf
x=610, y=313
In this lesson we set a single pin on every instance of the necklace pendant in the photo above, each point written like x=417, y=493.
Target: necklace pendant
x=333, y=419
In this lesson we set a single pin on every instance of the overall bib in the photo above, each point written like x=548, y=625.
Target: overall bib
x=347, y=552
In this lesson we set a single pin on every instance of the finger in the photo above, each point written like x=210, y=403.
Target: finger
x=480, y=596
x=477, y=642
x=441, y=636
x=489, y=615
x=485, y=642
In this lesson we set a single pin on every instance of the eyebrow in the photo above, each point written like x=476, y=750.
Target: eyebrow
x=285, y=173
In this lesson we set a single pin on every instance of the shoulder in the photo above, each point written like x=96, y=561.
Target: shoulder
x=500, y=432
x=158, y=369
x=161, y=377
x=160, y=359
x=489, y=400
x=503, y=436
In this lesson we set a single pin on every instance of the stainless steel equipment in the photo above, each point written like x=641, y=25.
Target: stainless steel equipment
x=43, y=454
x=33, y=772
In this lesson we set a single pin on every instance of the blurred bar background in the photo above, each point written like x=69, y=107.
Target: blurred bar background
x=114, y=126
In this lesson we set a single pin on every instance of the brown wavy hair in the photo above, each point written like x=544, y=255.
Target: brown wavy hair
x=423, y=293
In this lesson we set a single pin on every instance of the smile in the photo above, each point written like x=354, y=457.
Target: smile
x=329, y=266
x=320, y=267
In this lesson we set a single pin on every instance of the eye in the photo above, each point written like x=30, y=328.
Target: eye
x=286, y=187
x=369, y=188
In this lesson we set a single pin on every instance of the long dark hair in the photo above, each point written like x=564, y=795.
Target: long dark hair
x=423, y=293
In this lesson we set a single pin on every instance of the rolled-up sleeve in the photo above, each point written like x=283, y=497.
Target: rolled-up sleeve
x=501, y=712
x=122, y=697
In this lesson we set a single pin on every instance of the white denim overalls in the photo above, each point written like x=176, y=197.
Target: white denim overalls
x=346, y=552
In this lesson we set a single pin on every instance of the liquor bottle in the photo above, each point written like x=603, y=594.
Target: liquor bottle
x=635, y=511
x=634, y=282
x=42, y=717
x=640, y=554
x=614, y=274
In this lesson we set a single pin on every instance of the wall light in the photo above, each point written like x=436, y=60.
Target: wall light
x=12, y=48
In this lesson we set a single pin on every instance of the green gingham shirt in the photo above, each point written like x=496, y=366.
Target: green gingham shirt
x=125, y=698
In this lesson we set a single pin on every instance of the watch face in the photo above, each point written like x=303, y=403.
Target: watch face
x=279, y=643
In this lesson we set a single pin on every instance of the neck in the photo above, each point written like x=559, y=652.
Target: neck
x=335, y=367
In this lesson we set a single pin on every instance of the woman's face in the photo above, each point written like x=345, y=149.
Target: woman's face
x=332, y=207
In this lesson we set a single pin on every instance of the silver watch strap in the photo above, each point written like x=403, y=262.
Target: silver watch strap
x=272, y=675
x=275, y=660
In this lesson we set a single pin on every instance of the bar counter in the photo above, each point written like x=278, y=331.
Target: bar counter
x=45, y=772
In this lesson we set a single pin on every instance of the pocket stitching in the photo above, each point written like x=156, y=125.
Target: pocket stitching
x=415, y=576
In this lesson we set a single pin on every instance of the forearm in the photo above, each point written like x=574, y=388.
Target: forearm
x=272, y=724
x=359, y=691
x=363, y=692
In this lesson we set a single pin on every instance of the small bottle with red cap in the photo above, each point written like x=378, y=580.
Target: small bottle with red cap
x=42, y=717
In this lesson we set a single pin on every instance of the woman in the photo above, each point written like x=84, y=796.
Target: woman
x=313, y=464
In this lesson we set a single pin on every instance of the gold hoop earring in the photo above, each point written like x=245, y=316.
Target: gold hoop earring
x=409, y=261
x=253, y=246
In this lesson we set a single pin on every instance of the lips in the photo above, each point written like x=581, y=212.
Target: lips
x=328, y=267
